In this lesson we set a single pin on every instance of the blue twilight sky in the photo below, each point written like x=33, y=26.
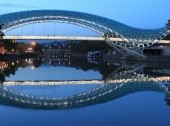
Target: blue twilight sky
x=137, y=13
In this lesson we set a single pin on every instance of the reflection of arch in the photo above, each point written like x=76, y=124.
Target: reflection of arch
x=107, y=27
x=123, y=82
x=101, y=94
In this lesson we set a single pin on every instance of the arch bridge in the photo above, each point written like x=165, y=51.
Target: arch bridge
x=133, y=39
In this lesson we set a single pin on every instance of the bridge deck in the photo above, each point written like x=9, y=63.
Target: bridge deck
x=52, y=82
x=94, y=38
x=59, y=38
x=78, y=82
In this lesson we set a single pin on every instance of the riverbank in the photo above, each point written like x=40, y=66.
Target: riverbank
x=5, y=57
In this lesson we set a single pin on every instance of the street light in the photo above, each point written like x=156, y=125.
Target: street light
x=33, y=43
x=32, y=46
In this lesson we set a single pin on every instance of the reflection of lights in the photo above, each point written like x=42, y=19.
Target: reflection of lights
x=108, y=63
x=3, y=65
x=26, y=60
x=17, y=61
x=50, y=62
x=32, y=67
x=13, y=63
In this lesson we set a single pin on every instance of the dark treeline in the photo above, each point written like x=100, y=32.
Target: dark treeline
x=103, y=68
x=83, y=47
x=10, y=67
x=79, y=47
x=12, y=46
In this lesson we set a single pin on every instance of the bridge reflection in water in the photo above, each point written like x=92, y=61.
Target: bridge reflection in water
x=123, y=81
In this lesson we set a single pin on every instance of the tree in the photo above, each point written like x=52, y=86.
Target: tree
x=9, y=45
x=37, y=48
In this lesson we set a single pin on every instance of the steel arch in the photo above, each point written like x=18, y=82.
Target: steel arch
x=133, y=37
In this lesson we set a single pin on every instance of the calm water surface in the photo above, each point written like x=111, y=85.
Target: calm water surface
x=43, y=92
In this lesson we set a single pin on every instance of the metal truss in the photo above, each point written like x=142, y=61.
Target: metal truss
x=128, y=74
x=126, y=48
x=61, y=19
